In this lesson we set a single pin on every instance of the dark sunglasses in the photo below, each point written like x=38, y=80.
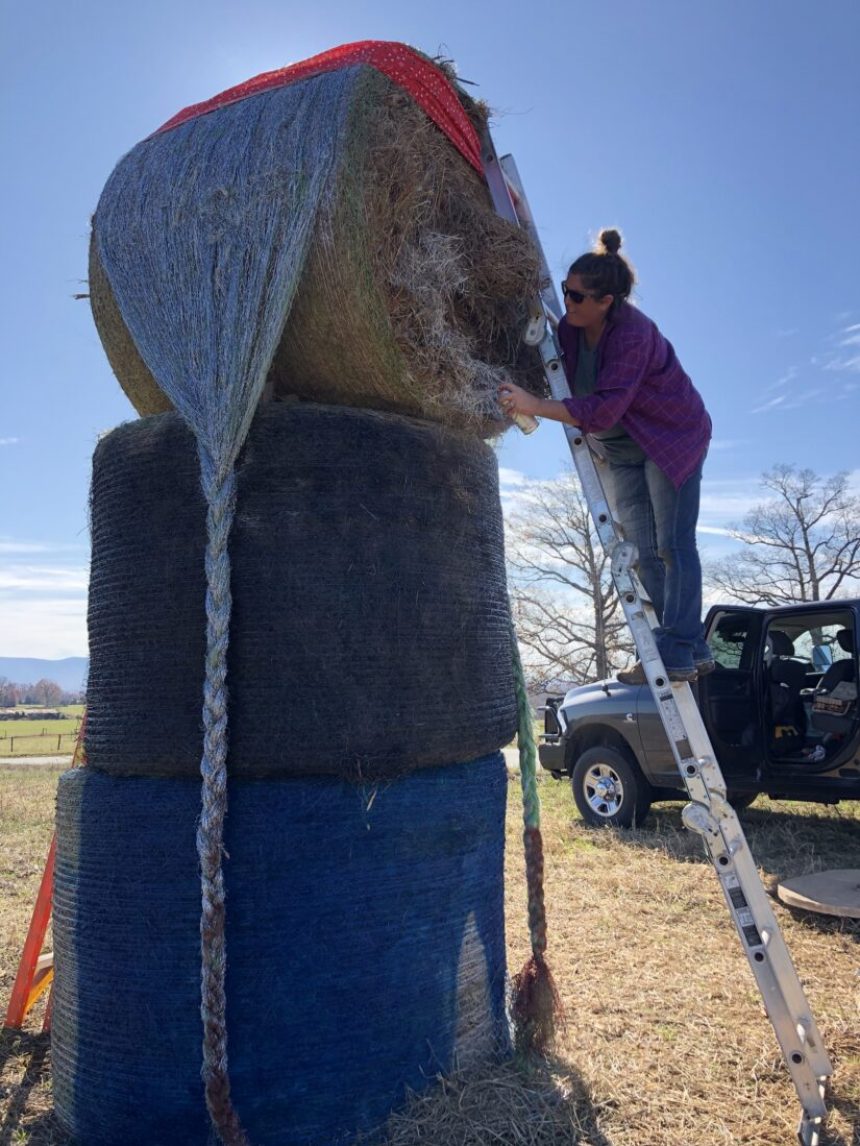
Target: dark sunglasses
x=576, y=295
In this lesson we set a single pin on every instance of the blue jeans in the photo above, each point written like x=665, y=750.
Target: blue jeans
x=661, y=522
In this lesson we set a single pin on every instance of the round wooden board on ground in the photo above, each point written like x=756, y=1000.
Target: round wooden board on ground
x=834, y=892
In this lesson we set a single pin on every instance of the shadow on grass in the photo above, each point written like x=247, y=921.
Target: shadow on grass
x=850, y=1111
x=825, y=924
x=577, y=1097
x=783, y=841
x=26, y=1055
x=845, y=1053
x=531, y=1102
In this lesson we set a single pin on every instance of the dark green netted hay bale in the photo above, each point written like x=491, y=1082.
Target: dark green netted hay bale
x=413, y=297
x=370, y=632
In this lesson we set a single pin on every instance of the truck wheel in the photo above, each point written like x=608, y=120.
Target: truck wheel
x=740, y=800
x=609, y=790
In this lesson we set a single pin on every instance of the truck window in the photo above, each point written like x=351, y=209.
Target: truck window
x=729, y=640
x=819, y=644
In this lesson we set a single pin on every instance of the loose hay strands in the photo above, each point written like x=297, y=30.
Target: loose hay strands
x=535, y=1007
x=203, y=233
x=508, y=1104
x=432, y=285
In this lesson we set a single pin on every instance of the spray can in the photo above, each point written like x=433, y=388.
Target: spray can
x=525, y=422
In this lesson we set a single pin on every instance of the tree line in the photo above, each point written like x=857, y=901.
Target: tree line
x=800, y=544
x=44, y=692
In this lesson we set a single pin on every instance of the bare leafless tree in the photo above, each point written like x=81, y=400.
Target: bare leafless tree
x=10, y=693
x=46, y=692
x=803, y=544
x=567, y=614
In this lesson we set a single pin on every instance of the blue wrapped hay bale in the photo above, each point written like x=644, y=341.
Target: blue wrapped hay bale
x=365, y=940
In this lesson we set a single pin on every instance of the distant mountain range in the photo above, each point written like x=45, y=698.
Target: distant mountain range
x=70, y=673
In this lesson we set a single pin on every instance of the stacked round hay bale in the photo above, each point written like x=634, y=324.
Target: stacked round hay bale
x=414, y=292
x=324, y=577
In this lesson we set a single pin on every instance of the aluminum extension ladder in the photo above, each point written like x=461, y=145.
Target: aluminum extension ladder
x=709, y=814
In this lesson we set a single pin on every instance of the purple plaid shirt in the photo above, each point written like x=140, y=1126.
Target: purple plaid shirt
x=641, y=385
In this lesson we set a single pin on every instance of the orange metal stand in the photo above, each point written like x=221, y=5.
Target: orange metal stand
x=35, y=970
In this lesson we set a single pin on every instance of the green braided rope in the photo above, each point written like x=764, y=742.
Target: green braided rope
x=535, y=1005
x=532, y=842
x=527, y=746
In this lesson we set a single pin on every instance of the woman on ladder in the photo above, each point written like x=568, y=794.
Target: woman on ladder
x=648, y=422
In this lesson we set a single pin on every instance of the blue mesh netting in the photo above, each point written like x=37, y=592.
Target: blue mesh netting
x=366, y=937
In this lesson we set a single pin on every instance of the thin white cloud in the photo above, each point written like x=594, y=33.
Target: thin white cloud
x=852, y=364
x=727, y=500
x=50, y=627
x=511, y=477
x=714, y=530
x=783, y=381
x=777, y=401
x=722, y=500
x=792, y=401
x=846, y=339
x=836, y=355
x=804, y=398
x=38, y=579
x=728, y=443
x=43, y=598
x=9, y=441
x=13, y=547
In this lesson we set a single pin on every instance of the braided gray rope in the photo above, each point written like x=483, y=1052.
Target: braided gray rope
x=221, y=501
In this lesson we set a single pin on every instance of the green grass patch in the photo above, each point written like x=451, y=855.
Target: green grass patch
x=38, y=737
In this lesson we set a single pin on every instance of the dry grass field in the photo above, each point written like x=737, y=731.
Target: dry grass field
x=665, y=1041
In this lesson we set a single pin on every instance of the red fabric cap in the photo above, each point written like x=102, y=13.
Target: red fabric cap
x=426, y=83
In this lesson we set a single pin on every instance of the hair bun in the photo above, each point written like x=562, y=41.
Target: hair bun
x=610, y=241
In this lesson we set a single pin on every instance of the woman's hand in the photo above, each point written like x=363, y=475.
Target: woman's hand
x=514, y=400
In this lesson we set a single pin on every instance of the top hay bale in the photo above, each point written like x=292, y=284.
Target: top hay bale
x=404, y=291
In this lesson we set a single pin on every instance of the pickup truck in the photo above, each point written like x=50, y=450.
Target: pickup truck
x=780, y=709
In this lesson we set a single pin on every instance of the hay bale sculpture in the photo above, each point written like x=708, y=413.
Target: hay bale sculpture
x=303, y=289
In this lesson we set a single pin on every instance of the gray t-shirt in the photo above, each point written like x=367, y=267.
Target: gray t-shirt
x=614, y=444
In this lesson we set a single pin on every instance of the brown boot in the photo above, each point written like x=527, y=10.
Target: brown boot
x=636, y=675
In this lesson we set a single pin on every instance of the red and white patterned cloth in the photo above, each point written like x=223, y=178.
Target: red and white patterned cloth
x=426, y=83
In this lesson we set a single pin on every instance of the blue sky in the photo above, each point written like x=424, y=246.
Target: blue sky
x=721, y=137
